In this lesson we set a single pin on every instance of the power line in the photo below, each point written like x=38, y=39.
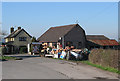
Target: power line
x=100, y=12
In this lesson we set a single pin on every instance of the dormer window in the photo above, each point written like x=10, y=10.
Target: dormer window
x=22, y=38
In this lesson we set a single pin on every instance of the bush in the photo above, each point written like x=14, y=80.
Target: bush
x=105, y=57
x=3, y=50
x=23, y=50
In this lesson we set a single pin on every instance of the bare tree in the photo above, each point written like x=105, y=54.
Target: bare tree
x=3, y=33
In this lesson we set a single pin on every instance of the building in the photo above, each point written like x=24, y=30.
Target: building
x=67, y=35
x=17, y=41
x=101, y=41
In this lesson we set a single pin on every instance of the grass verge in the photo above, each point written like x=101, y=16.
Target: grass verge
x=94, y=65
x=101, y=67
x=6, y=57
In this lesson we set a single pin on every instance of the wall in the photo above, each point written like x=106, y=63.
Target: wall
x=18, y=43
x=77, y=34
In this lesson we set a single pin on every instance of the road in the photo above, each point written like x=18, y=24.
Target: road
x=48, y=68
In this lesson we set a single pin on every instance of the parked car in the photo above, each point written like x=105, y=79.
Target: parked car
x=75, y=56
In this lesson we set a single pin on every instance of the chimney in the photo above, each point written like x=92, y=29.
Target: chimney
x=11, y=29
x=19, y=28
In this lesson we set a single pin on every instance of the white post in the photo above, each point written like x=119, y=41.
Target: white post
x=57, y=46
x=28, y=48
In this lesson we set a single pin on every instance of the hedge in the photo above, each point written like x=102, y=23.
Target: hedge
x=105, y=57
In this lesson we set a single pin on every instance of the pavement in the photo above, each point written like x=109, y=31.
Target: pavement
x=35, y=67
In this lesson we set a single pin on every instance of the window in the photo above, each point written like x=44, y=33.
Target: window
x=12, y=39
x=22, y=38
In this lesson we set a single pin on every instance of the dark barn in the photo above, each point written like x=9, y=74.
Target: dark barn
x=68, y=35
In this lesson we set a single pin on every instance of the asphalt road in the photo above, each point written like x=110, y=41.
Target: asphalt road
x=47, y=68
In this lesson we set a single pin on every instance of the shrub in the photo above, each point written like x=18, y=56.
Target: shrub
x=3, y=50
x=23, y=50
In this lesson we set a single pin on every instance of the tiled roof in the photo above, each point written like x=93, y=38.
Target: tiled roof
x=105, y=42
x=53, y=34
x=96, y=37
x=16, y=32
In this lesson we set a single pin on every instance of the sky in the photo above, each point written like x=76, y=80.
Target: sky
x=96, y=18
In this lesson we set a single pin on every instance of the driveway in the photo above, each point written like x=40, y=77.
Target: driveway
x=48, y=68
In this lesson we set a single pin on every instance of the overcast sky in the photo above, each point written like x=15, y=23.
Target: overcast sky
x=36, y=17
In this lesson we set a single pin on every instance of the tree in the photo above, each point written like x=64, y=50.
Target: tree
x=119, y=41
x=3, y=33
x=2, y=49
x=34, y=39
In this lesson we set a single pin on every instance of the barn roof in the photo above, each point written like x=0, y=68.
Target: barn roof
x=16, y=32
x=96, y=37
x=105, y=42
x=53, y=34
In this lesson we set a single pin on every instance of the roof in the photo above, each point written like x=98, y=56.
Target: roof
x=53, y=34
x=16, y=32
x=96, y=37
x=105, y=42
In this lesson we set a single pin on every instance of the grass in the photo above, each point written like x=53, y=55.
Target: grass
x=6, y=57
x=101, y=67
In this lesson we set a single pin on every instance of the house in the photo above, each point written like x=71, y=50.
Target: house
x=17, y=41
x=67, y=35
x=100, y=41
